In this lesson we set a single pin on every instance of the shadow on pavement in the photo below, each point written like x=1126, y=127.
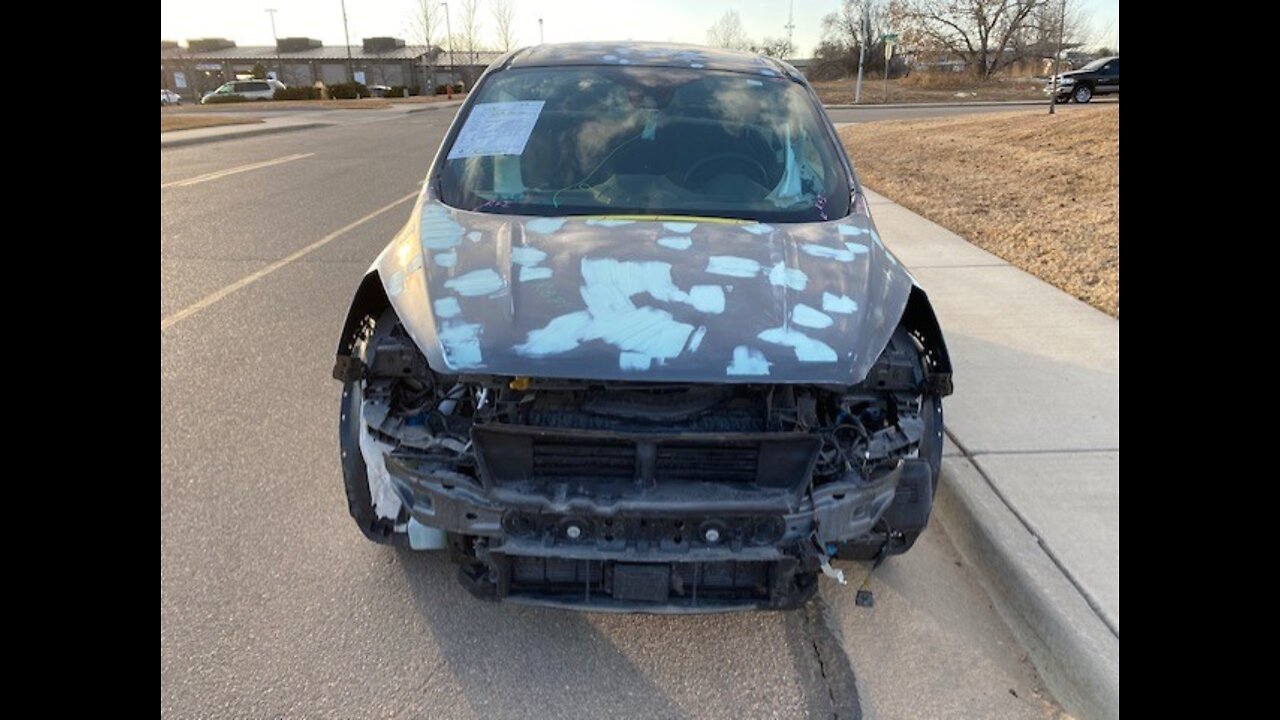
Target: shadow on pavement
x=517, y=661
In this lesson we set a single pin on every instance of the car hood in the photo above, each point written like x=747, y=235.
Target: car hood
x=652, y=299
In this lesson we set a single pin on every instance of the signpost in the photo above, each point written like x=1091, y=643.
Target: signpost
x=889, y=39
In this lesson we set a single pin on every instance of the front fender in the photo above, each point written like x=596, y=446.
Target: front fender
x=370, y=301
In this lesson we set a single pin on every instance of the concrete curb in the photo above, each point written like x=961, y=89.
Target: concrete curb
x=269, y=130
x=1075, y=652
x=435, y=106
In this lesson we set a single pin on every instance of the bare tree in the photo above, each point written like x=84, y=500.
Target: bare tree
x=989, y=35
x=843, y=28
x=1107, y=37
x=843, y=34
x=1039, y=39
x=727, y=32
x=469, y=29
x=504, y=21
x=425, y=24
x=778, y=47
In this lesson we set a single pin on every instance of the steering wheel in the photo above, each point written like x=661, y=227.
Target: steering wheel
x=729, y=160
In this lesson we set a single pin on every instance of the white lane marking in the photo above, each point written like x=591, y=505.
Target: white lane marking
x=232, y=171
x=214, y=297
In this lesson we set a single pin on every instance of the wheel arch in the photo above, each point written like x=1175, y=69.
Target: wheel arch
x=920, y=321
x=370, y=300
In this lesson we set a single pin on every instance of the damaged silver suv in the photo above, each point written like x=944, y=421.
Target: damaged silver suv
x=640, y=347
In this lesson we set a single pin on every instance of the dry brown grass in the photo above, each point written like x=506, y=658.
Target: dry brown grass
x=261, y=106
x=171, y=121
x=930, y=87
x=1040, y=191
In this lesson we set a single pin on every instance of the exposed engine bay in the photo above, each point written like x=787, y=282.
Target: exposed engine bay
x=662, y=497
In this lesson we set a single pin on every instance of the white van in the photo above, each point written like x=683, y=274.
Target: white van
x=248, y=89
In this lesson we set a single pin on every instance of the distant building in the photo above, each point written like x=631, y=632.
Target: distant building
x=207, y=63
x=801, y=64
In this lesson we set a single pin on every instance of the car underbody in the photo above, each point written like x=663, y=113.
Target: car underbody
x=639, y=496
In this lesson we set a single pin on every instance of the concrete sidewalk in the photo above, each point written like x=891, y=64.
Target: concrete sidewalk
x=1030, y=492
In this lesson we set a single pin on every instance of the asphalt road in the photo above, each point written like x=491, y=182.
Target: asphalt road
x=271, y=602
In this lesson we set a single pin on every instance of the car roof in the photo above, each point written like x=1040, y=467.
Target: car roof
x=647, y=54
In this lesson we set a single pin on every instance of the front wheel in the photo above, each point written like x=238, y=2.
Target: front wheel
x=1082, y=94
x=355, y=473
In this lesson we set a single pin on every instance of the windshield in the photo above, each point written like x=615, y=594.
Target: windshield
x=1095, y=65
x=647, y=141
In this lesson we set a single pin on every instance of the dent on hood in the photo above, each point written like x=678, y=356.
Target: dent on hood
x=610, y=298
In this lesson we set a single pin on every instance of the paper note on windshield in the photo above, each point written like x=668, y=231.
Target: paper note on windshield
x=500, y=128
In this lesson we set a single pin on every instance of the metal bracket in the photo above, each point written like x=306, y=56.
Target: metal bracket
x=939, y=383
x=348, y=368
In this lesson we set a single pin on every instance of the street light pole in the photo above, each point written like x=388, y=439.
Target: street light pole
x=351, y=70
x=448, y=26
x=276, y=39
x=862, y=48
x=1057, y=60
x=790, y=26
x=888, y=53
x=540, y=38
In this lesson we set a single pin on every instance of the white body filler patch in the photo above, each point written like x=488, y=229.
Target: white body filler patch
x=793, y=278
x=839, y=303
x=830, y=253
x=634, y=361
x=804, y=315
x=807, y=349
x=500, y=128
x=528, y=258
x=447, y=307
x=747, y=361
x=437, y=229
x=476, y=282
x=395, y=285
x=386, y=504
x=529, y=274
x=696, y=341
x=460, y=342
x=612, y=316
x=544, y=225
x=446, y=259
x=732, y=266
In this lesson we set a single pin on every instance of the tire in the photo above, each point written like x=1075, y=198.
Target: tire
x=931, y=450
x=933, y=434
x=355, y=477
x=1082, y=94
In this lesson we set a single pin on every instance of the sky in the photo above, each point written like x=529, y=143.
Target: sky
x=247, y=23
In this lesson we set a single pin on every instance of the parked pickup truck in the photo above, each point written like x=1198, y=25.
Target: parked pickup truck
x=1100, y=77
